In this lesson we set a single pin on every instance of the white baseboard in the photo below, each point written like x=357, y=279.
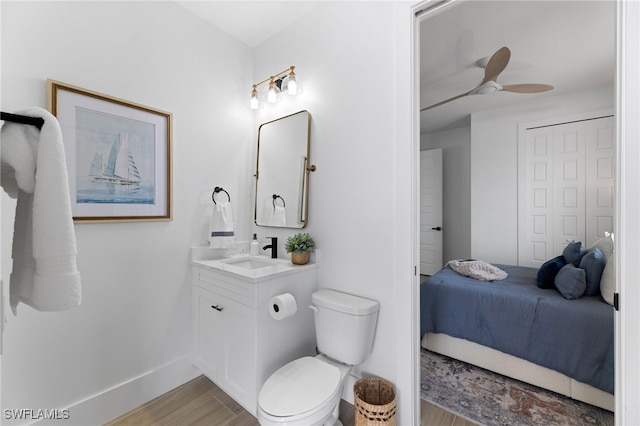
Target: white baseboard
x=111, y=403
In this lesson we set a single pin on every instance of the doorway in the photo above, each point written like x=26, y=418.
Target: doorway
x=464, y=44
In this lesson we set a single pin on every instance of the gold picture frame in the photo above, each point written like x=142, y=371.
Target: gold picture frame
x=118, y=155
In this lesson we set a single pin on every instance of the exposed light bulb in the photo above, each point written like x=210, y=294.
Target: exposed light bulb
x=277, y=85
x=271, y=94
x=293, y=86
x=254, y=103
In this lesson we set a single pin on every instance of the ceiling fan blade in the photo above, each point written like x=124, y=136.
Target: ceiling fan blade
x=527, y=88
x=445, y=101
x=497, y=63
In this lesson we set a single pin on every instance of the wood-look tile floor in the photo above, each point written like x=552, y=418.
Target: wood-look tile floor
x=201, y=402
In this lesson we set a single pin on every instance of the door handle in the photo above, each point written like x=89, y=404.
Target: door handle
x=437, y=228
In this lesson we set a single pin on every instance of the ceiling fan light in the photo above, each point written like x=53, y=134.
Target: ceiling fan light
x=485, y=90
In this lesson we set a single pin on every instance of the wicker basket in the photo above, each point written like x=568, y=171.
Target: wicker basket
x=375, y=402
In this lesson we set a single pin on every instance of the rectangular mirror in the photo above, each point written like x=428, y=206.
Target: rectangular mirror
x=282, y=171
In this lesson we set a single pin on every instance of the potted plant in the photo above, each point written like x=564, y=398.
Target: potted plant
x=300, y=245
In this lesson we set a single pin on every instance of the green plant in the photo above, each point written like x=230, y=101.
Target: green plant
x=299, y=243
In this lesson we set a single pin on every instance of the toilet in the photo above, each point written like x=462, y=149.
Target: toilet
x=307, y=391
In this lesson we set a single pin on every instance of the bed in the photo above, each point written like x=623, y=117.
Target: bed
x=515, y=328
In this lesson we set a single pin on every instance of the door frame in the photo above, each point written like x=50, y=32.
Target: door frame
x=627, y=105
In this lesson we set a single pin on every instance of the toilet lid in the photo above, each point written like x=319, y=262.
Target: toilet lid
x=298, y=387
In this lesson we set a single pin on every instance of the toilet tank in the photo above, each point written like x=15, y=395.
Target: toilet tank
x=345, y=325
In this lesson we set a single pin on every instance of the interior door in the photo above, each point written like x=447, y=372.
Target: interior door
x=430, y=211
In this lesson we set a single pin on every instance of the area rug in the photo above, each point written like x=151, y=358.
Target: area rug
x=487, y=398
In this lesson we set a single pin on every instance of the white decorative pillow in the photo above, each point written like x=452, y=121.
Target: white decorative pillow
x=605, y=244
x=608, y=280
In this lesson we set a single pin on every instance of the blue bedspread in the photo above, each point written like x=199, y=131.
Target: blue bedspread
x=514, y=316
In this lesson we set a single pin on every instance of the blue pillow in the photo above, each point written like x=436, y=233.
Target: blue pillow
x=573, y=252
x=593, y=264
x=547, y=273
x=571, y=282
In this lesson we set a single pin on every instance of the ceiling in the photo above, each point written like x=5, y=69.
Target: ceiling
x=567, y=44
x=251, y=22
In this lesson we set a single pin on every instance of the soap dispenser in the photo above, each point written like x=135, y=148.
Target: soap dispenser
x=255, y=246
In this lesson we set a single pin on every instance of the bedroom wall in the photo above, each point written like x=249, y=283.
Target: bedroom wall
x=494, y=172
x=456, y=185
x=480, y=174
x=133, y=330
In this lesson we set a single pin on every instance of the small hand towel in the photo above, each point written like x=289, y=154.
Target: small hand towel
x=33, y=170
x=221, y=234
x=279, y=216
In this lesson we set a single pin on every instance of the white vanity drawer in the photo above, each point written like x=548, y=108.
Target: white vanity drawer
x=240, y=291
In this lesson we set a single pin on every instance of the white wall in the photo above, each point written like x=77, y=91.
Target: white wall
x=456, y=185
x=344, y=56
x=135, y=319
x=494, y=171
x=353, y=59
x=487, y=194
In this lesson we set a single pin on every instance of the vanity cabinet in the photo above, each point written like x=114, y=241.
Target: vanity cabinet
x=226, y=334
x=237, y=344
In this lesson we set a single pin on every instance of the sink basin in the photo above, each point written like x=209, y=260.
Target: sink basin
x=250, y=263
x=251, y=267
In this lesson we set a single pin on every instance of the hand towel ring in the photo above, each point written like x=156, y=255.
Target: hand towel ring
x=275, y=197
x=215, y=191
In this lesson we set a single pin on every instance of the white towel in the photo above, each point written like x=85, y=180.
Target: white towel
x=266, y=213
x=221, y=234
x=279, y=216
x=34, y=171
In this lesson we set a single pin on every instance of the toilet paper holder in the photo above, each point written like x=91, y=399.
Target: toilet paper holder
x=282, y=306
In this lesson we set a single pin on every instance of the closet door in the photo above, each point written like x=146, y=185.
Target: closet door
x=538, y=211
x=600, y=173
x=568, y=185
x=566, y=189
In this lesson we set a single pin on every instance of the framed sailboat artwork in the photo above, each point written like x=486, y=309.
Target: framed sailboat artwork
x=118, y=155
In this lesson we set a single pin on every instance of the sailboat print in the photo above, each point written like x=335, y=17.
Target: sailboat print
x=120, y=168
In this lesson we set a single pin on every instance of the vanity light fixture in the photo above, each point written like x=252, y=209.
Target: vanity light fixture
x=278, y=83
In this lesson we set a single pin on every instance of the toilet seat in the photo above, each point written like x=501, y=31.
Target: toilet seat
x=303, y=385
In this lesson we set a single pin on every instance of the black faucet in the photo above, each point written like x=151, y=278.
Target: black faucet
x=273, y=246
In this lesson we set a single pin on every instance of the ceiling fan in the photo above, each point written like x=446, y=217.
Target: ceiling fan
x=496, y=64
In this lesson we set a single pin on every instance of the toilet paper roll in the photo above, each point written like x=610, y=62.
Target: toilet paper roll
x=282, y=306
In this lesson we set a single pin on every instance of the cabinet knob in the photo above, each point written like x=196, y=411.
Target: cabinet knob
x=217, y=308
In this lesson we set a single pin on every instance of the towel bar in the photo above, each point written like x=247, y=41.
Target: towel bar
x=275, y=197
x=215, y=191
x=22, y=119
